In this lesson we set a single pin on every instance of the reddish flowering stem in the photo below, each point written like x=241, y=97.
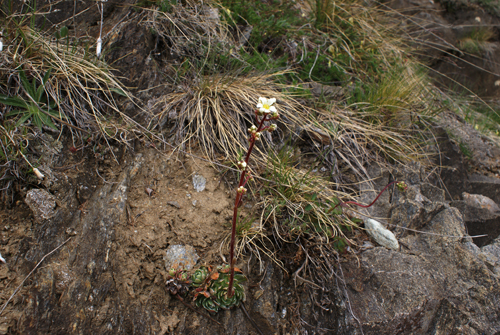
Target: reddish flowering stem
x=366, y=206
x=238, y=200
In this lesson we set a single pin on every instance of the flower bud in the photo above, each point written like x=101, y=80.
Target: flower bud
x=402, y=186
x=242, y=190
x=242, y=165
x=272, y=128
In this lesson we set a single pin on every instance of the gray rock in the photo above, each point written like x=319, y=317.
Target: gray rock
x=478, y=200
x=42, y=203
x=86, y=268
x=425, y=289
x=180, y=257
x=199, y=182
x=484, y=185
x=413, y=214
x=479, y=221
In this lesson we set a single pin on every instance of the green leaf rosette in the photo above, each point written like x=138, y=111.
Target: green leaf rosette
x=199, y=276
x=216, y=295
x=220, y=290
x=208, y=303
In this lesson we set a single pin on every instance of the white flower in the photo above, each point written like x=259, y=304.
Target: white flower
x=497, y=83
x=478, y=19
x=266, y=105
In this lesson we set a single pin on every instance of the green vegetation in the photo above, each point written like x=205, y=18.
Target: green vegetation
x=51, y=83
x=491, y=6
x=36, y=108
x=476, y=41
x=348, y=88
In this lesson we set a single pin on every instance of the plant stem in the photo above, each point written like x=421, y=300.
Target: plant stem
x=239, y=198
x=366, y=206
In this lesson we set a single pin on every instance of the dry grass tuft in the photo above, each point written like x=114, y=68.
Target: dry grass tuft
x=79, y=88
x=189, y=29
x=81, y=85
x=217, y=110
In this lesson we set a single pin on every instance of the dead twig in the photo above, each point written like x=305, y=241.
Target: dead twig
x=197, y=311
x=243, y=308
x=26, y=278
x=61, y=168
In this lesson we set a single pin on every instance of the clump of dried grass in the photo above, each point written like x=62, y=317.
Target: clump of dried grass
x=80, y=87
x=189, y=28
x=216, y=110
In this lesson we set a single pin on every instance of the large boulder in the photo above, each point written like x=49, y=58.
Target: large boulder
x=439, y=282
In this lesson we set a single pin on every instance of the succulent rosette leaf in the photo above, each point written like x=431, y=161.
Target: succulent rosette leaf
x=208, y=303
x=216, y=295
x=220, y=290
x=199, y=276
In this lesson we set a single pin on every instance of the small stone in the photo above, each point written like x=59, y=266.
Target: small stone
x=381, y=235
x=70, y=231
x=199, y=182
x=174, y=204
x=42, y=203
x=149, y=191
x=180, y=257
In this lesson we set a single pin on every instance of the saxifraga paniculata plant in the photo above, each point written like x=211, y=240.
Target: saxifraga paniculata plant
x=265, y=112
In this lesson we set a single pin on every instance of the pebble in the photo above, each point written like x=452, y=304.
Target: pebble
x=381, y=235
x=174, y=204
x=199, y=182
x=180, y=257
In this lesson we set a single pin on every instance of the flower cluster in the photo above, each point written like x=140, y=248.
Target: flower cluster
x=242, y=165
x=252, y=130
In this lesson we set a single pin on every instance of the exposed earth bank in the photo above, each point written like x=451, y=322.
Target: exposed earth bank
x=96, y=236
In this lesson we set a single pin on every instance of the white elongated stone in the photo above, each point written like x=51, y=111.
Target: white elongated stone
x=381, y=235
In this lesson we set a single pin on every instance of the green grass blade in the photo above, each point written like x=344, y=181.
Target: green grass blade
x=13, y=101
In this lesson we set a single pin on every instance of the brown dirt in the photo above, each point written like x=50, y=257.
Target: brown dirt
x=123, y=261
